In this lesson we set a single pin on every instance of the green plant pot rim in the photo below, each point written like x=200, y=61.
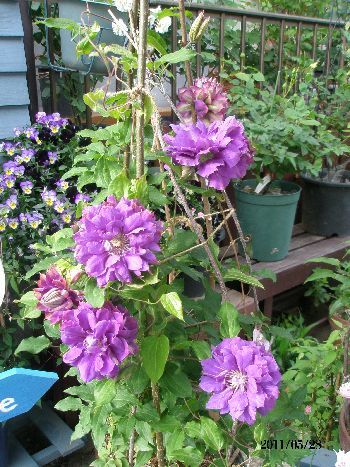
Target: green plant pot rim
x=319, y=181
x=253, y=198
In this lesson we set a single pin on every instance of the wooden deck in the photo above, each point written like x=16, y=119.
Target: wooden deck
x=293, y=270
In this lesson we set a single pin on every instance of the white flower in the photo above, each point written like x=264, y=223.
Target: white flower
x=344, y=390
x=343, y=459
x=163, y=25
x=119, y=27
x=153, y=12
x=259, y=339
x=123, y=5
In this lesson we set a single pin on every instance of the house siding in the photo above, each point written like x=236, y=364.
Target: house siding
x=14, y=97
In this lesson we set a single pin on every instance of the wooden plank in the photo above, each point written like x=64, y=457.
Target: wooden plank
x=55, y=430
x=12, y=58
x=293, y=270
x=10, y=19
x=18, y=456
x=298, y=229
x=303, y=240
x=13, y=89
x=11, y=117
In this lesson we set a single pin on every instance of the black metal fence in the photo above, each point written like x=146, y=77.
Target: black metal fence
x=278, y=37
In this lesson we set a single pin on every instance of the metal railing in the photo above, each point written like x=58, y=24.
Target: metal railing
x=332, y=32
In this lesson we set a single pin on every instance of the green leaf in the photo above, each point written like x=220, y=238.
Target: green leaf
x=60, y=23
x=154, y=353
x=201, y=349
x=61, y=240
x=173, y=305
x=166, y=423
x=321, y=274
x=237, y=275
x=212, y=434
x=156, y=41
x=149, y=107
x=42, y=265
x=74, y=172
x=105, y=391
x=69, y=404
x=258, y=77
x=33, y=345
x=157, y=197
x=181, y=55
x=229, y=318
x=176, y=382
x=325, y=260
x=119, y=186
x=94, y=294
x=29, y=299
x=105, y=171
x=30, y=312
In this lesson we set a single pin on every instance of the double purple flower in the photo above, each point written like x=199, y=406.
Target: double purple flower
x=220, y=152
x=243, y=379
x=99, y=339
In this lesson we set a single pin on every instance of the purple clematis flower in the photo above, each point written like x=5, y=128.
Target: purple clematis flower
x=117, y=239
x=99, y=339
x=243, y=379
x=220, y=152
x=55, y=297
x=206, y=98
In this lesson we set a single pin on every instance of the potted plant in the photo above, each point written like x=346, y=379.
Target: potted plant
x=332, y=284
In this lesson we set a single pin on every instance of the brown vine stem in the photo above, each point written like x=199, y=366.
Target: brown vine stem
x=242, y=239
x=141, y=80
x=131, y=454
x=159, y=437
x=194, y=226
x=182, y=16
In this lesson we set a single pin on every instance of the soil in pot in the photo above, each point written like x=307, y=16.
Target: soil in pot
x=267, y=219
x=326, y=207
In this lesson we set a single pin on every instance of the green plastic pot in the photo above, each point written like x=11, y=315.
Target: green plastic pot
x=268, y=219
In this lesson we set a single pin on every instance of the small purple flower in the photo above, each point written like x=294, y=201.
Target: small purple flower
x=67, y=217
x=49, y=197
x=23, y=218
x=13, y=223
x=9, y=181
x=243, y=379
x=19, y=170
x=12, y=201
x=9, y=148
x=100, y=339
x=62, y=184
x=41, y=117
x=27, y=187
x=32, y=133
x=17, y=131
x=52, y=157
x=81, y=197
x=27, y=154
x=206, y=98
x=34, y=219
x=9, y=167
x=54, y=296
x=220, y=152
x=117, y=239
x=3, y=223
x=18, y=159
x=59, y=206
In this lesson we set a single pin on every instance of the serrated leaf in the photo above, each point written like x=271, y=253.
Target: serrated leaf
x=105, y=391
x=119, y=186
x=181, y=55
x=42, y=265
x=154, y=353
x=69, y=404
x=237, y=275
x=29, y=299
x=325, y=260
x=201, y=349
x=212, y=434
x=173, y=304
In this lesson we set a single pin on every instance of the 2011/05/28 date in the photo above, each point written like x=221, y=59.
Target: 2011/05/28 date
x=291, y=443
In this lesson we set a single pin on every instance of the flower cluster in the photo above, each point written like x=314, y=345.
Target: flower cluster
x=217, y=147
x=219, y=152
x=99, y=339
x=206, y=98
x=243, y=379
x=117, y=239
x=28, y=180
